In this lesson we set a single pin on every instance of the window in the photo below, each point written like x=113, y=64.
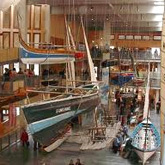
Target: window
x=137, y=37
x=5, y=66
x=129, y=37
x=146, y=37
x=158, y=38
x=121, y=37
x=36, y=69
x=112, y=37
x=16, y=66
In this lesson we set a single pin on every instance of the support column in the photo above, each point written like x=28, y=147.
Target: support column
x=162, y=112
x=159, y=68
x=22, y=10
x=1, y=70
x=47, y=23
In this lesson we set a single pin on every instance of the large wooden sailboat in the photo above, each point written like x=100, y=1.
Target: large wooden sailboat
x=48, y=119
x=145, y=137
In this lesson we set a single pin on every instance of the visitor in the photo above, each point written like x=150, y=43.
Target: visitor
x=71, y=162
x=116, y=144
x=13, y=73
x=128, y=119
x=125, y=131
x=158, y=107
x=6, y=76
x=20, y=71
x=24, y=138
x=37, y=145
x=78, y=162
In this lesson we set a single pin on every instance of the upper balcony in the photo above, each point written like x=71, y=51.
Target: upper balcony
x=141, y=56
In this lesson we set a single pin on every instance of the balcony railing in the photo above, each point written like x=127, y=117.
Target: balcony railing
x=137, y=56
x=11, y=85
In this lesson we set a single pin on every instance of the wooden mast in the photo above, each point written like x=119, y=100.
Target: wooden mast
x=91, y=65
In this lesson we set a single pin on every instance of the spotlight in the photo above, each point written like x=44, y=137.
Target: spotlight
x=91, y=8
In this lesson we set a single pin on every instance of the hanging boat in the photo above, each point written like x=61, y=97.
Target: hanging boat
x=121, y=79
x=145, y=140
x=50, y=55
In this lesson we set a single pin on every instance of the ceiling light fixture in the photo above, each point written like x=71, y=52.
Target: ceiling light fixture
x=159, y=3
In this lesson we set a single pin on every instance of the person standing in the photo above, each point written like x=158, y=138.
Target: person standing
x=24, y=138
x=78, y=162
x=71, y=162
x=158, y=107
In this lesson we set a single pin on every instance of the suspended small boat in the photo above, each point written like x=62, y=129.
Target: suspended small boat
x=138, y=81
x=50, y=55
x=121, y=79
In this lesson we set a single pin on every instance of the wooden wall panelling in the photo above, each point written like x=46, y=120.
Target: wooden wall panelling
x=37, y=38
x=57, y=26
x=31, y=23
x=15, y=20
x=28, y=38
x=42, y=23
x=37, y=17
x=1, y=41
x=15, y=40
x=28, y=17
x=7, y=16
x=1, y=21
x=11, y=26
x=6, y=40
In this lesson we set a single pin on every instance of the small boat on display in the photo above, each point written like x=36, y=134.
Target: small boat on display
x=145, y=137
x=145, y=140
x=49, y=119
x=138, y=81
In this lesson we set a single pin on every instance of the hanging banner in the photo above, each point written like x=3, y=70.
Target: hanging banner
x=104, y=86
x=12, y=115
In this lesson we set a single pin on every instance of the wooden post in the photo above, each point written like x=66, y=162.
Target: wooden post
x=1, y=128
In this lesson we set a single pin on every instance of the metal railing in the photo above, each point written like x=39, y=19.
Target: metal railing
x=11, y=85
x=137, y=56
x=10, y=139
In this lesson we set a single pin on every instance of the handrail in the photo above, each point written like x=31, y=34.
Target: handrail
x=46, y=51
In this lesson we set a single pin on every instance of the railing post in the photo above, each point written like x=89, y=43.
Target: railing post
x=9, y=139
x=0, y=144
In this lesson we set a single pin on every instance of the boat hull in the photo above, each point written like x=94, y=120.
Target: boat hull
x=49, y=108
x=47, y=121
x=49, y=57
x=144, y=156
x=145, y=140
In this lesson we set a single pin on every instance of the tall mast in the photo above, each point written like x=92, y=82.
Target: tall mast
x=146, y=103
x=91, y=65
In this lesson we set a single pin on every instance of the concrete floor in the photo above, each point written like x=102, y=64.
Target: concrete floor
x=17, y=155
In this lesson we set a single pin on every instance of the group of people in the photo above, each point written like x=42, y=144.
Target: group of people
x=11, y=73
x=77, y=162
x=120, y=137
